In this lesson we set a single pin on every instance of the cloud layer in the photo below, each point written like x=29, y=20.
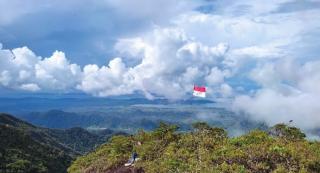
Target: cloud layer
x=262, y=57
x=168, y=63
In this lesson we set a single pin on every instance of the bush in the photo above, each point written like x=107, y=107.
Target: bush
x=287, y=132
x=207, y=149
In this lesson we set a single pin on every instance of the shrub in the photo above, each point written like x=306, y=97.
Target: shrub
x=207, y=149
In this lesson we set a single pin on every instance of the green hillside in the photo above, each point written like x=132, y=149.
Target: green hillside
x=27, y=148
x=19, y=153
x=206, y=149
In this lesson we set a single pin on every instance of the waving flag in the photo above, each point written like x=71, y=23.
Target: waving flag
x=199, y=91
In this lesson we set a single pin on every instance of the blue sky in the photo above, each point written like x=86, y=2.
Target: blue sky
x=262, y=56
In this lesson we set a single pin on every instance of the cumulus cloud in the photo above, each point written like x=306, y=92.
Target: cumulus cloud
x=57, y=73
x=105, y=81
x=169, y=64
x=262, y=57
x=22, y=69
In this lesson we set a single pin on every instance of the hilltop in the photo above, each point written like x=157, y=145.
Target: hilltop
x=28, y=148
x=280, y=149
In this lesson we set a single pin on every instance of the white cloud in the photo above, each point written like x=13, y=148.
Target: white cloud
x=22, y=69
x=105, y=81
x=57, y=73
x=226, y=90
x=132, y=48
x=30, y=87
x=5, y=78
x=274, y=107
x=169, y=64
x=290, y=92
x=240, y=42
x=262, y=51
x=216, y=76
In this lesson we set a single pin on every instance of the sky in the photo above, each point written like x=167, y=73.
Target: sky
x=261, y=56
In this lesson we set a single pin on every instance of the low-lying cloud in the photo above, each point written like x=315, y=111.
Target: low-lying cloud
x=290, y=91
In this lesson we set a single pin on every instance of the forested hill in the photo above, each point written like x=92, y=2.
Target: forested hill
x=28, y=148
x=206, y=149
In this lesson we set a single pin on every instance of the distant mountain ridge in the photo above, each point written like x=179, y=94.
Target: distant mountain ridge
x=28, y=148
x=61, y=119
x=21, y=104
x=132, y=118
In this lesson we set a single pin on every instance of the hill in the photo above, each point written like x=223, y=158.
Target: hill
x=28, y=151
x=280, y=149
x=28, y=148
x=132, y=118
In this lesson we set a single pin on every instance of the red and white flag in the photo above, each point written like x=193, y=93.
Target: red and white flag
x=199, y=91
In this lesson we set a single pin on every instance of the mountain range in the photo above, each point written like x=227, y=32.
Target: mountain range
x=132, y=118
x=28, y=148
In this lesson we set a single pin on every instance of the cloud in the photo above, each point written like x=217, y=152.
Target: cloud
x=290, y=92
x=274, y=107
x=105, y=81
x=226, y=90
x=168, y=65
x=22, y=69
x=57, y=73
x=158, y=11
x=85, y=31
x=216, y=76
x=264, y=57
x=30, y=87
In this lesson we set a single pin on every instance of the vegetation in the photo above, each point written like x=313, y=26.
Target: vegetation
x=26, y=148
x=19, y=153
x=282, y=149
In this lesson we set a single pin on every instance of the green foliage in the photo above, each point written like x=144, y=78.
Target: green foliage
x=26, y=148
x=287, y=132
x=21, y=166
x=19, y=153
x=207, y=150
x=201, y=126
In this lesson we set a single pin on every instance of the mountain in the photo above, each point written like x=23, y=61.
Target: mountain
x=23, y=148
x=28, y=148
x=132, y=118
x=61, y=119
x=205, y=149
x=21, y=103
